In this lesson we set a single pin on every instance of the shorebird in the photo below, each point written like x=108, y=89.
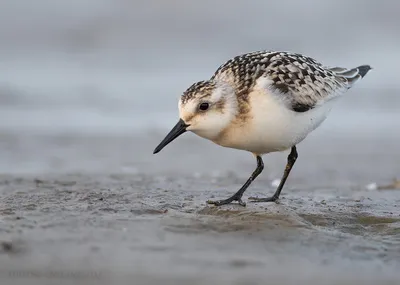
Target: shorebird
x=262, y=102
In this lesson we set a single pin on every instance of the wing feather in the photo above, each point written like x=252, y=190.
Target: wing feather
x=301, y=81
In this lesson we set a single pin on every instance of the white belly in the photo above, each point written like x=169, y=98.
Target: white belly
x=273, y=127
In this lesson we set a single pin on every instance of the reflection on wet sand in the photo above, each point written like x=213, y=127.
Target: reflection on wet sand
x=151, y=220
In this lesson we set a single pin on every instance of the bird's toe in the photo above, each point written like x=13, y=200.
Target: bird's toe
x=226, y=201
x=258, y=200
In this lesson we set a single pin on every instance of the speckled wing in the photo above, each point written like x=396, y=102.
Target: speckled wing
x=300, y=81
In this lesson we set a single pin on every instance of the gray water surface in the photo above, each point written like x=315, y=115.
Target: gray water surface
x=88, y=88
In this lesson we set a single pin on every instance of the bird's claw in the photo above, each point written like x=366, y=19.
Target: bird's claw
x=269, y=199
x=227, y=201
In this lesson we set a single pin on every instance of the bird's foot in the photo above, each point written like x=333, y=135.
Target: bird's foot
x=228, y=201
x=269, y=199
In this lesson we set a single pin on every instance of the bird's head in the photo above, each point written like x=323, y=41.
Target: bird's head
x=206, y=108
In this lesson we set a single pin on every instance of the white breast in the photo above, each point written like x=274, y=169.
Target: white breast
x=272, y=127
x=276, y=128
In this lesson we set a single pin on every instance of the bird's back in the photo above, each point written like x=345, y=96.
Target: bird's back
x=301, y=81
x=282, y=97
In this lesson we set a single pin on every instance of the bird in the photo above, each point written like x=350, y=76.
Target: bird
x=262, y=102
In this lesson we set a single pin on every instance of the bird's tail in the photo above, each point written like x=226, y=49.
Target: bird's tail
x=352, y=75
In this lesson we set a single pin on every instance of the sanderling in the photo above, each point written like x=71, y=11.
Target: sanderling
x=262, y=102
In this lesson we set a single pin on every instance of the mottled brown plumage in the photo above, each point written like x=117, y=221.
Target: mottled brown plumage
x=262, y=102
x=300, y=80
x=204, y=88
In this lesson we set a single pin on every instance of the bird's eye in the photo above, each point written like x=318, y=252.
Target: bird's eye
x=204, y=106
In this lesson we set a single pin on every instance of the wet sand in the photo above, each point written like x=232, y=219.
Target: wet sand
x=80, y=209
x=89, y=88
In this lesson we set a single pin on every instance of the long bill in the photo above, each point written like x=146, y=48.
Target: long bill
x=179, y=129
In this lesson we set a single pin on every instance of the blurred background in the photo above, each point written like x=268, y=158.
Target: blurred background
x=118, y=67
x=91, y=87
x=74, y=74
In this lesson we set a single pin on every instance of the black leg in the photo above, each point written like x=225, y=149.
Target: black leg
x=290, y=162
x=238, y=195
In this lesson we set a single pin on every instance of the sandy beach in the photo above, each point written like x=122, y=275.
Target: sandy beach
x=88, y=88
x=105, y=210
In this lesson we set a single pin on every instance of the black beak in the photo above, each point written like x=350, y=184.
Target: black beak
x=179, y=129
